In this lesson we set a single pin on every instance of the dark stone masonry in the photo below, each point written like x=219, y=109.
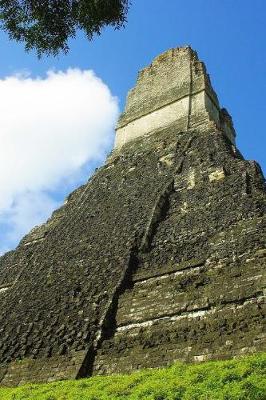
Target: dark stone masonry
x=159, y=257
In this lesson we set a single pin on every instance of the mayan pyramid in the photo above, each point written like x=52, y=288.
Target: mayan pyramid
x=158, y=257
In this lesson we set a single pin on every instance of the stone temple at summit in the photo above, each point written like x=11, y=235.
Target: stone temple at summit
x=159, y=257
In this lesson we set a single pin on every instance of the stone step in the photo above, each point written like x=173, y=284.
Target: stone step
x=188, y=290
x=216, y=333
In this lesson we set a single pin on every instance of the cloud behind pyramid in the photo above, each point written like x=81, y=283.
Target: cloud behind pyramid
x=50, y=129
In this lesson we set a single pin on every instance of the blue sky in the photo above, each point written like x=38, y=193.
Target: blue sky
x=229, y=36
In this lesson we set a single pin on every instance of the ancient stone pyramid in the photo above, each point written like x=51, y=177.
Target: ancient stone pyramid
x=159, y=257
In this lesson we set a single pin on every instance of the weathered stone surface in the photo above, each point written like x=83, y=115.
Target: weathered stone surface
x=175, y=88
x=198, y=289
x=159, y=257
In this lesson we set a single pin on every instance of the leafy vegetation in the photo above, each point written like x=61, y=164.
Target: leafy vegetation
x=241, y=379
x=47, y=25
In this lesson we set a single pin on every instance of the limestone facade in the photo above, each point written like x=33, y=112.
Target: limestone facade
x=175, y=88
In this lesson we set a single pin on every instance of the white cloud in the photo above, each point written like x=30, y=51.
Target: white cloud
x=49, y=129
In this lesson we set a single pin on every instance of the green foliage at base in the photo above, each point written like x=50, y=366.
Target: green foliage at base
x=240, y=379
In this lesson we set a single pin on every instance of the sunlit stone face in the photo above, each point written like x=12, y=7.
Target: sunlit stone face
x=174, y=89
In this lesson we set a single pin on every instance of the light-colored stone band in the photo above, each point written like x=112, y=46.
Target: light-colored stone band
x=201, y=103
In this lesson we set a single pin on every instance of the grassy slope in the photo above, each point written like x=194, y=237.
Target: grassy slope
x=242, y=379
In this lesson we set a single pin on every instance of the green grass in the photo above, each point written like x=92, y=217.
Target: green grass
x=240, y=379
